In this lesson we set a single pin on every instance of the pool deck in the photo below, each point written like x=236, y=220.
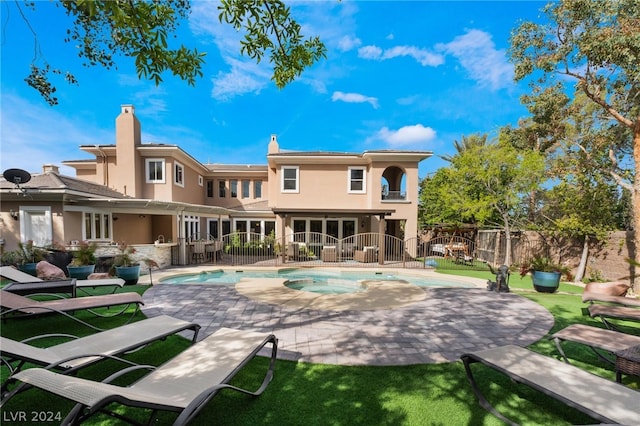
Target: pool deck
x=390, y=324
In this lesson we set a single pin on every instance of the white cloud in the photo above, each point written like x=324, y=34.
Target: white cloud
x=244, y=77
x=348, y=42
x=354, y=98
x=422, y=56
x=370, y=52
x=407, y=135
x=477, y=53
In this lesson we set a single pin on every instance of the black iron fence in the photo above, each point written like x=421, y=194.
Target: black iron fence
x=369, y=250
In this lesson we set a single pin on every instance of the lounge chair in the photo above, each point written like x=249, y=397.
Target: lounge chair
x=18, y=276
x=598, y=339
x=599, y=398
x=184, y=384
x=606, y=307
x=14, y=305
x=70, y=356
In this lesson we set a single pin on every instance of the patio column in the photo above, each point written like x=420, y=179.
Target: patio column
x=283, y=243
x=182, y=243
x=381, y=239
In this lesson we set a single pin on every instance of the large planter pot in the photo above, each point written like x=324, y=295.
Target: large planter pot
x=129, y=274
x=80, y=272
x=29, y=268
x=546, y=282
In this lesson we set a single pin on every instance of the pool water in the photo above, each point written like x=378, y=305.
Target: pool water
x=321, y=281
x=330, y=286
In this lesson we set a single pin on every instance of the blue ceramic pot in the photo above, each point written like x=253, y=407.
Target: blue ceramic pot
x=129, y=274
x=546, y=282
x=29, y=268
x=80, y=272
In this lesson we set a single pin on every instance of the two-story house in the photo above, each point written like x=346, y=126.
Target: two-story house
x=143, y=193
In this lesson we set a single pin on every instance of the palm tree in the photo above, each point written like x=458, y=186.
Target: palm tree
x=467, y=142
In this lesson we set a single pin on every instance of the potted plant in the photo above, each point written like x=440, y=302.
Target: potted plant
x=25, y=257
x=126, y=266
x=545, y=273
x=83, y=262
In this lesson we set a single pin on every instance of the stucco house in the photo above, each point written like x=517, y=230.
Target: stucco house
x=158, y=194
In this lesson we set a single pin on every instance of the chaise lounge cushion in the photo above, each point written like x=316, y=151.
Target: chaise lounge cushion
x=612, y=288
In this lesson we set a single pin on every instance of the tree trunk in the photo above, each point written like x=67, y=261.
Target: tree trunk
x=583, y=260
x=507, y=235
x=635, y=206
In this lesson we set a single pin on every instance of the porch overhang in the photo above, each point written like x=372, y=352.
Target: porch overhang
x=125, y=205
x=333, y=212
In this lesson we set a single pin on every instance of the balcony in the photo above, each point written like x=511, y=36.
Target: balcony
x=394, y=196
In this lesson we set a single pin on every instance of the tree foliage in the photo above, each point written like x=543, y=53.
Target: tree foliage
x=484, y=185
x=596, y=45
x=104, y=30
x=269, y=27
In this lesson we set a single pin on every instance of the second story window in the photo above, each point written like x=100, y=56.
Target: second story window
x=257, y=189
x=357, y=182
x=233, y=188
x=209, y=188
x=155, y=170
x=178, y=174
x=222, y=188
x=290, y=176
x=245, y=188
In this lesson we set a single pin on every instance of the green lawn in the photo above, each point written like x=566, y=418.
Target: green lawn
x=312, y=394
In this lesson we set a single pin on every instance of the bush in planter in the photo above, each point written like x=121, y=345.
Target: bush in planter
x=127, y=266
x=83, y=262
x=25, y=257
x=545, y=273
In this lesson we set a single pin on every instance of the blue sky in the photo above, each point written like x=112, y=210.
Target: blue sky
x=398, y=75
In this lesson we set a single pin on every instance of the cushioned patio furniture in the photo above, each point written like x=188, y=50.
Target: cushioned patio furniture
x=599, y=398
x=18, y=276
x=366, y=255
x=184, y=384
x=70, y=356
x=14, y=305
x=329, y=254
x=606, y=307
x=598, y=339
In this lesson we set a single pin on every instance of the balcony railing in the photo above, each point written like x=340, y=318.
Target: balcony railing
x=394, y=195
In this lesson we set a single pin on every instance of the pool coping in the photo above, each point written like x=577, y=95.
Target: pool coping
x=380, y=294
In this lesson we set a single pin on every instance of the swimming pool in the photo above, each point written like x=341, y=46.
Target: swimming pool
x=227, y=277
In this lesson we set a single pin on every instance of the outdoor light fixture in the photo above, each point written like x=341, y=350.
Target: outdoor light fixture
x=15, y=215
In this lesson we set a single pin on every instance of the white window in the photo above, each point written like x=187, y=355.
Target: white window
x=290, y=178
x=357, y=181
x=178, y=174
x=97, y=226
x=155, y=170
x=233, y=188
x=257, y=189
x=245, y=188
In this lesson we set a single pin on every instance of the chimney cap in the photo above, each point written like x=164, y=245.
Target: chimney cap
x=47, y=168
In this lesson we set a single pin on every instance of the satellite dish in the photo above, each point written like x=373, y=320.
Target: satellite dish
x=17, y=176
